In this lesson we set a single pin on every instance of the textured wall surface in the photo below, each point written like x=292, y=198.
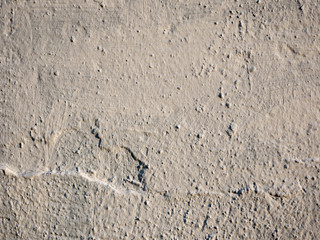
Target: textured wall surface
x=138, y=119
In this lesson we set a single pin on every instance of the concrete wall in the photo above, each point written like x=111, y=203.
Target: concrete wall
x=136, y=119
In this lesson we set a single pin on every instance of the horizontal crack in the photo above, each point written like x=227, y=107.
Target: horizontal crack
x=169, y=192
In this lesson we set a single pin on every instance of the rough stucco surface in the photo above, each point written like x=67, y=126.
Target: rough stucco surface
x=136, y=119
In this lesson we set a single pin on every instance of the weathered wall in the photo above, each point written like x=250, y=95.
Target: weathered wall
x=136, y=119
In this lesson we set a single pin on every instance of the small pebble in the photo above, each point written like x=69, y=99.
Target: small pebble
x=91, y=171
x=200, y=135
x=252, y=69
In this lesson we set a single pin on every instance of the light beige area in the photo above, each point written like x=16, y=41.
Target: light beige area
x=138, y=119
